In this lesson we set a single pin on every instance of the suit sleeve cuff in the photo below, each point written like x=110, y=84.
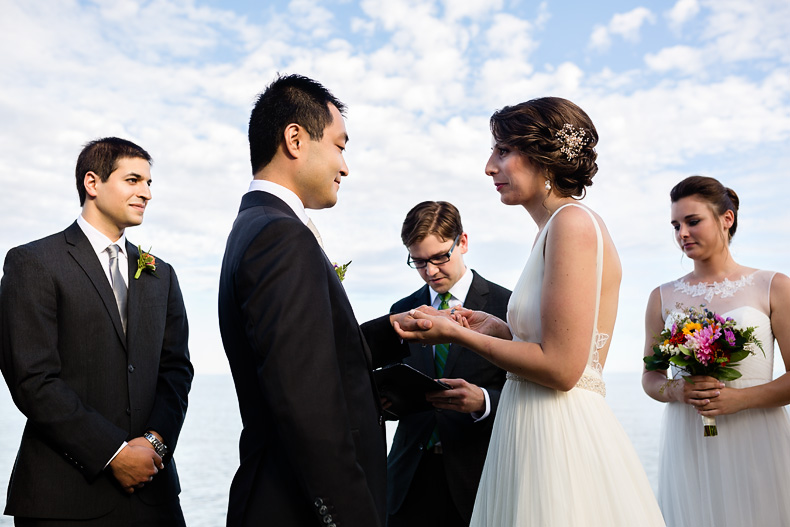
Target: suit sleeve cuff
x=125, y=443
x=476, y=415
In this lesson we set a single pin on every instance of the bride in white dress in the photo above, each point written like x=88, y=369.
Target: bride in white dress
x=741, y=477
x=558, y=456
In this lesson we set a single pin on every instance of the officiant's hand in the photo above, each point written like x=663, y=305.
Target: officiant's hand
x=463, y=397
x=483, y=322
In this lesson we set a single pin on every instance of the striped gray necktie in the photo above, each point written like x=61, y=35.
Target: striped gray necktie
x=118, y=285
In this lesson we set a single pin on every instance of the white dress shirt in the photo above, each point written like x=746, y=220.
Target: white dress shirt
x=100, y=242
x=287, y=195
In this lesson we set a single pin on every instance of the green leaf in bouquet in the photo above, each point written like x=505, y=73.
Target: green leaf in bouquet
x=681, y=360
x=739, y=355
x=726, y=374
x=656, y=363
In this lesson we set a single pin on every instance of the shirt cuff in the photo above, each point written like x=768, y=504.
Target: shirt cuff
x=125, y=443
x=476, y=415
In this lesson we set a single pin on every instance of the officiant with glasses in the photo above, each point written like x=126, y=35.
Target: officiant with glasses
x=437, y=456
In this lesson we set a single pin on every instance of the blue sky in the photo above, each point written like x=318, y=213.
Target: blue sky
x=674, y=89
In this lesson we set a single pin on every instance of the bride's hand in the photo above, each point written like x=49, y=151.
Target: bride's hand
x=484, y=323
x=439, y=330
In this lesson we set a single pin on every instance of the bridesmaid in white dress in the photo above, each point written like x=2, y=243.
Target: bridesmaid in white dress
x=558, y=456
x=741, y=477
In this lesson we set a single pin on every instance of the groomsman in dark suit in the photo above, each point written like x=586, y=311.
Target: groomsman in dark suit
x=437, y=457
x=95, y=355
x=313, y=445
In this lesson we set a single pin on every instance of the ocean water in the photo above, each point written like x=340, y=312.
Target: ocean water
x=207, y=453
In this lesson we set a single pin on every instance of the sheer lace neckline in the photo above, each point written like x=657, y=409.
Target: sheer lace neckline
x=724, y=289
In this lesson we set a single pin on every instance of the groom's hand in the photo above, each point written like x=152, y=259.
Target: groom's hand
x=407, y=322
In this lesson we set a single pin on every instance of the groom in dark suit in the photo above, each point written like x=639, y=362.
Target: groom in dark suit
x=437, y=457
x=313, y=445
x=96, y=358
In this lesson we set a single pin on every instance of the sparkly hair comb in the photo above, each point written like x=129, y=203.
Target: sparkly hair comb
x=572, y=139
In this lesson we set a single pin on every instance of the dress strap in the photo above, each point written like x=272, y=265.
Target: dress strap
x=599, y=339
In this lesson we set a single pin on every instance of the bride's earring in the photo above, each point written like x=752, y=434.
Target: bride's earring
x=547, y=184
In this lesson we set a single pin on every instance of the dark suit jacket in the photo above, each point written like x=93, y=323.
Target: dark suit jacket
x=83, y=385
x=313, y=445
x=464, y=441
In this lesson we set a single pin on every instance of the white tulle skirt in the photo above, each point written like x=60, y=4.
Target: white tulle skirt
x=739, y=478
x=561, y=459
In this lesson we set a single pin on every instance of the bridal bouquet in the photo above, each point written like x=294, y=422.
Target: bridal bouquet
x=700, y=342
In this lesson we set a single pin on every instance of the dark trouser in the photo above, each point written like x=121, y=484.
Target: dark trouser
x=130, y=512
x=428, y=502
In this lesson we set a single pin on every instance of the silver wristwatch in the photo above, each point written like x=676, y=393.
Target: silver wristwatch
x=160, y=447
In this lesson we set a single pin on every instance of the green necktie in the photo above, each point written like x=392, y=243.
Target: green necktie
x=440, y=352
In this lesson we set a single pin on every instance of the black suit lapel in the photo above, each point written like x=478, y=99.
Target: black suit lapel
x=137, y=291
x=476, y=299
x=81, y=250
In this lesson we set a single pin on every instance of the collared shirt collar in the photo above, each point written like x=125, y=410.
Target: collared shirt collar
x=285, y=194
x=459, y=290
x=99, y=241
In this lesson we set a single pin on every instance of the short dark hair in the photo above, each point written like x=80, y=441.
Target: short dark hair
x=288, y=99
x=531, y=127
x=431, y=217
x=719, y=198
x=101, y=157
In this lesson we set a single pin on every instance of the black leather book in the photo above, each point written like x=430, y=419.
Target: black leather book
x=405, y=387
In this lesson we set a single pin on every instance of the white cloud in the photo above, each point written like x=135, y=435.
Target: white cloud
x=600, y=39
x=742, y=31
x=682, y=12
x=626, y=25
x=685, y=59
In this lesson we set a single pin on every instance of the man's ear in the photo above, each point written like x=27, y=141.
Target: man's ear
x=90, y=182
x=293, y=140
x=463, y=243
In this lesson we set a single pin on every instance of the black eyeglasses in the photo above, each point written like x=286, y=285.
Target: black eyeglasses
x=418, y=263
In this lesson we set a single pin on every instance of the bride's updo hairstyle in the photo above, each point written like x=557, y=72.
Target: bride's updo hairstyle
x=556, y=135
x=719, y=198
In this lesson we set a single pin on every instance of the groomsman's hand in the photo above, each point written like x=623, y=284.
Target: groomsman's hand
x=463, y=397
x=136, y=464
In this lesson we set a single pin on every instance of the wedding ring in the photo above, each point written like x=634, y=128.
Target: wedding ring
x=452, y=311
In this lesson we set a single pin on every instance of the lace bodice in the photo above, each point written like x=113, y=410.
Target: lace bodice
x=747, y=300
x=523, y=313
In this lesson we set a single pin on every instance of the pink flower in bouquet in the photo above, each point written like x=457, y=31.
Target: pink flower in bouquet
x=703, y=342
